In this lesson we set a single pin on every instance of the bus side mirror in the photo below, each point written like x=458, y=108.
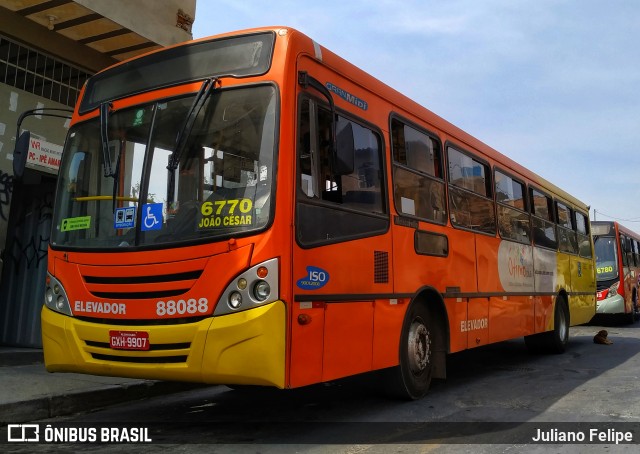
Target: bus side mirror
x=345, y=153
x=20, y=153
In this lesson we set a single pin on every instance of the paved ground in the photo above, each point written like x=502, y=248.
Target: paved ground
x=28, y=392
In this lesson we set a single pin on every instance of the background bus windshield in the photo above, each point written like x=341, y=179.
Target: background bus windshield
x=606, y=258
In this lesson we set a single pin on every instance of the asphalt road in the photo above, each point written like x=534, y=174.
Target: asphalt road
x=495, y=399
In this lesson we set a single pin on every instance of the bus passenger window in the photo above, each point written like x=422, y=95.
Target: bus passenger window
x=543, y=226
x=417, y=174
x=584, y=240
x=513, y=220
x=470, y=193
x=567, y=238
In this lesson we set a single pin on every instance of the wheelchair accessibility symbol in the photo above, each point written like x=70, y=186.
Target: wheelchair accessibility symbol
x=152, y=216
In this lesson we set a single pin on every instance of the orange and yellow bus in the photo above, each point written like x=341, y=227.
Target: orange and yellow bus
x=252, y=209
x=617, y=270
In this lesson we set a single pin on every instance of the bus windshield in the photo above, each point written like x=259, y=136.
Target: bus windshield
x=218, y=186
x=606, y=258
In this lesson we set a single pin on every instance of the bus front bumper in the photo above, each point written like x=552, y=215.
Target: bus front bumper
x=612, y=305
x=242, y=348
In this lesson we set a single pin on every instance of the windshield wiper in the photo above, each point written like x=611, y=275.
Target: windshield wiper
x=183, y=133
x=105, y=108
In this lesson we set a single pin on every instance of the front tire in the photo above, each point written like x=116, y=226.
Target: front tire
x=412, y=378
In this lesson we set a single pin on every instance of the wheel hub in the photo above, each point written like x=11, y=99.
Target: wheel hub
x=419, y=347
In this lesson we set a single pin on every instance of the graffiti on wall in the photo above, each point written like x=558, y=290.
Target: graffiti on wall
x=6, y=187
x=32, y=233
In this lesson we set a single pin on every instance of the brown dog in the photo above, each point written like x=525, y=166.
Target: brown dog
x=601, y=338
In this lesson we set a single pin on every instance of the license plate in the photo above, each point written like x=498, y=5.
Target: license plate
x=129, y=340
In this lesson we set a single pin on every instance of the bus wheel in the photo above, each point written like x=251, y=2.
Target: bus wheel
x=411, y=379
x=554, y=341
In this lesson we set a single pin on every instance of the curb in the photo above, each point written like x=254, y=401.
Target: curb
x=66, y=404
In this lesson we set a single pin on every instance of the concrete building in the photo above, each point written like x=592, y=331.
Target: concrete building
x=48, y=49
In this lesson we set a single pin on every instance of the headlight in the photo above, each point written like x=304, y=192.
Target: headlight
x=613, y=289
x=261, y=290
x=48, y=294
x=235, y=300
x=256, y=286
x=55, y=297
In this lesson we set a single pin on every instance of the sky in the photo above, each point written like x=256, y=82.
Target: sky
x=553, y=84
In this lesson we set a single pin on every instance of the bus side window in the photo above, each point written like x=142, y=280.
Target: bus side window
x=584, y=243
x=417, y=173
x=470, y=193
x=544, y=228
x=624, y=250
x=514, y=222
x=566, y=232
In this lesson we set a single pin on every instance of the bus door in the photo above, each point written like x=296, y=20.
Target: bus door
x=341, y=254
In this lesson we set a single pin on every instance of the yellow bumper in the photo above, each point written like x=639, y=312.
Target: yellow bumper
x=243, y=348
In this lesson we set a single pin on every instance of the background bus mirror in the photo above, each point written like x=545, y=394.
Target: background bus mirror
x=20, y=154
x=345, y=153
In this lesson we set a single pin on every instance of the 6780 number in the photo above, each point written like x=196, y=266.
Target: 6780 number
x=181, y=307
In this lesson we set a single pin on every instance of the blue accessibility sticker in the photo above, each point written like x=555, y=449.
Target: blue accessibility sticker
x=151, y=216
x=317, y=278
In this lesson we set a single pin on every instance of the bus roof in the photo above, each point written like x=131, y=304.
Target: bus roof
x=401, y=102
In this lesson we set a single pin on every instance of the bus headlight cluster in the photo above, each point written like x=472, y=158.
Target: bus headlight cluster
x=55, y=297
x=256, y=286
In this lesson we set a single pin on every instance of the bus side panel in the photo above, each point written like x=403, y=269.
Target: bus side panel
x=341, y=275
x=545, y=263
x=454, y=273
x=348, y=339
x=510, y=317
x=457, y=313
x=630, y=282
x=307, y=335
x=487, y=264
x=477, y=324
x=387, y=325
x=346, y=348
x=543, y=313
x=506, y=267
x=563, y=281
x=582, y=307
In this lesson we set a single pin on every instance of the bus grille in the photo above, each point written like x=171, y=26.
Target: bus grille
x=141, y=282
x=141, y=359
x=602, y=285
x=171, y=353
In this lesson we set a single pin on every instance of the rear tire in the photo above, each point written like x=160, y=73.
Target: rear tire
x=556, y=340
x=412, y=378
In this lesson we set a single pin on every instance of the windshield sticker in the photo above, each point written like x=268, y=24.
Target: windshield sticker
x=226, y=213
x=348, y=96
x=152, y=216
x=79, y=223
x=317, y=278
x=124, y=218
